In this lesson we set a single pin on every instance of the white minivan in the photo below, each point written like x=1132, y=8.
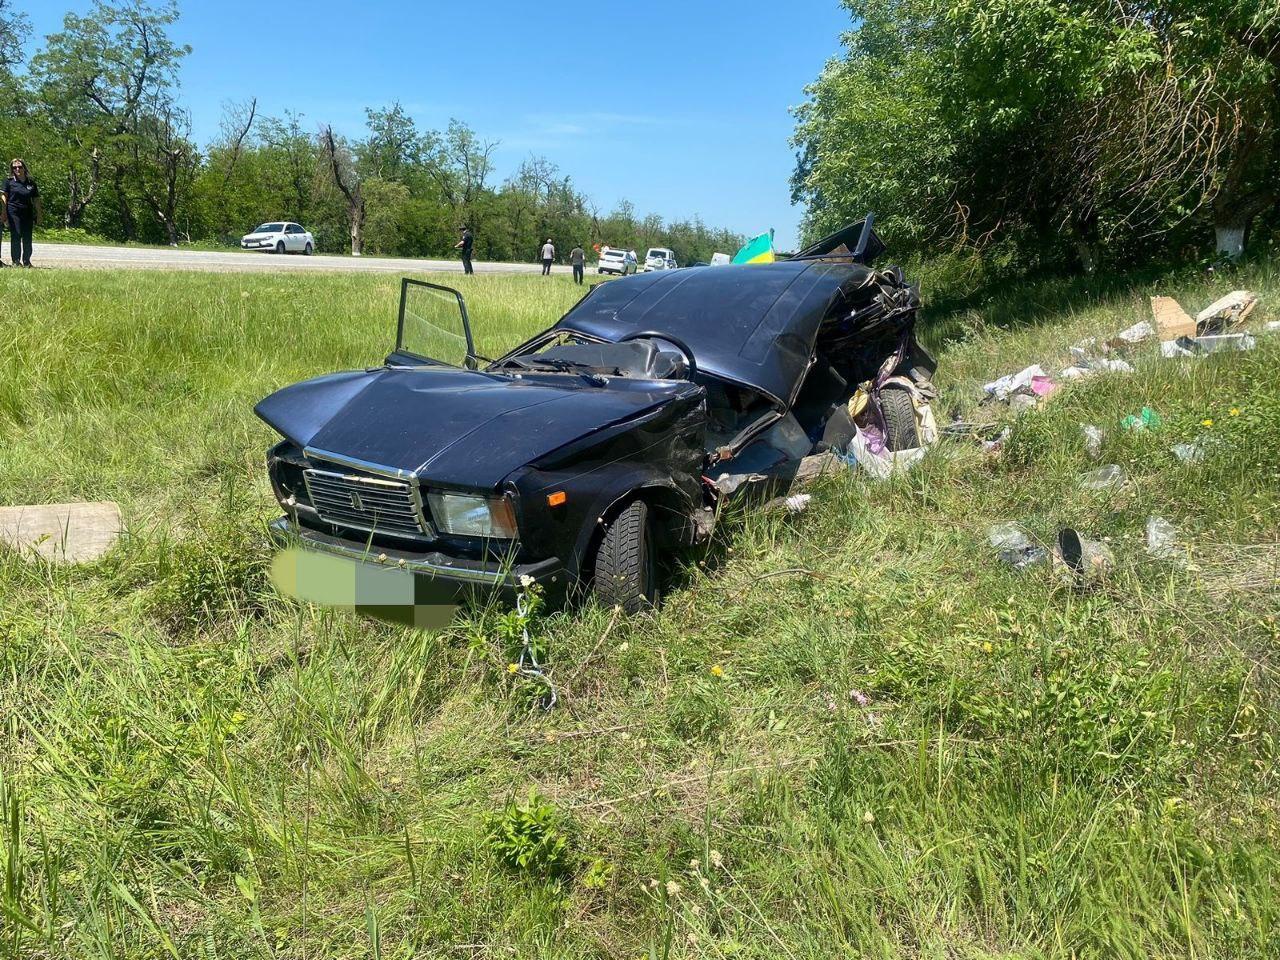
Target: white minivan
x=659, y=258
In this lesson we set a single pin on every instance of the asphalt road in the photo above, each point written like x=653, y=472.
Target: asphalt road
x=150, y=258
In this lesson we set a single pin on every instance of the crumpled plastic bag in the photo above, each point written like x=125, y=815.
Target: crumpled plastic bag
x=1162, y=539
x=869, y=452
x=1008, y=385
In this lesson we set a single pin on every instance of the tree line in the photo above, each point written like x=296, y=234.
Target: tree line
x=97, y=113
x=1055, y=131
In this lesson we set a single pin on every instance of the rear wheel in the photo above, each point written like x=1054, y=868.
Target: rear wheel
x=899, y=419
x=626, y=573
x=280, y=247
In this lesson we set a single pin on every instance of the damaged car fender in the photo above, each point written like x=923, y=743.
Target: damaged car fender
x=568, y=496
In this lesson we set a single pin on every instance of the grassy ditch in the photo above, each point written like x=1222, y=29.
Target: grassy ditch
x=847, y=733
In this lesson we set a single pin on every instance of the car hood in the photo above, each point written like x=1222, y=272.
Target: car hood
x=451, y=427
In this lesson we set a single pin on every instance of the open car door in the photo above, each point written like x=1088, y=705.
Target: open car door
x=433, y=326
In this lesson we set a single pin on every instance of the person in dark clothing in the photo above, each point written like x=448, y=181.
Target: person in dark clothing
x=577, y=257
x=548, y=254
x=465, y=245
x=22, y=209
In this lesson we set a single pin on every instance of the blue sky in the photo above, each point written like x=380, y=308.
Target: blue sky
x=680, y=108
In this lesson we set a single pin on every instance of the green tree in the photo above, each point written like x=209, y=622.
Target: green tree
x=94, y=79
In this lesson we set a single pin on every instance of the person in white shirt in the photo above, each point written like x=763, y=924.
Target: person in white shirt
x=548, y=254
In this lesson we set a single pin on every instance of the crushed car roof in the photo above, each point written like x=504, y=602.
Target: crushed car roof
x=753, y=324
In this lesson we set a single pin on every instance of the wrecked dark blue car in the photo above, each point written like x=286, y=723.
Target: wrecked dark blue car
x=586, y=456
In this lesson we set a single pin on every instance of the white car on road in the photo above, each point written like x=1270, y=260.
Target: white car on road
x=659, y=258
x=282, y=237
x=621, y=262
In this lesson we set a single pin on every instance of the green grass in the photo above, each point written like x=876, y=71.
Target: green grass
x=848, y=733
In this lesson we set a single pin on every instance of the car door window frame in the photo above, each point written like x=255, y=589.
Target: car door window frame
x=471, y=362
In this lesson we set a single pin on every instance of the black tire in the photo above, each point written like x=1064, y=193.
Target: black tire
x=308, y=251
x=626, y=572
x=899, y=419
x=279, y=247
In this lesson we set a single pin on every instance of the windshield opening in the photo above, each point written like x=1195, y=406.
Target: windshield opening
x=269, y=228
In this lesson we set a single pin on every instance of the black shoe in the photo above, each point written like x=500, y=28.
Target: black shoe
x=27, y=264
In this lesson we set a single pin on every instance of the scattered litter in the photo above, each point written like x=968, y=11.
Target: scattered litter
x=1006, y=386
x=1273, y=325
x=1148, y=419
x=1182, y=347
x=1195, y=451
x=1162, y=539
x=62, y=532
x=1188, y=452
x=1210, y=343
x=1013, y=546
x=1092, y=440
x=959, y=429
x=1112, y=366
x=1136, y=334
x=1104, y=478
x=1020, y=403
x=1007, y=536
x=1043, y=386
x=794, y=504
x=1214, y=343
x=1230, y=311
x=1093, y=367
x=995, y=445
x=1081, y=559
x=1171, y=320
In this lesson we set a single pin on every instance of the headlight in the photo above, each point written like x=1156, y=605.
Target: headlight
x=468, y=516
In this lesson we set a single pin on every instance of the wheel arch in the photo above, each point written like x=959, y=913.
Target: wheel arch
x=669, y=508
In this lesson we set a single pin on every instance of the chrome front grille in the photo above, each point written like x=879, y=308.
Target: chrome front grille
x=366, y=502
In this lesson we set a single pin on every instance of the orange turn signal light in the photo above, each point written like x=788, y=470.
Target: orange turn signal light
x=557, y=498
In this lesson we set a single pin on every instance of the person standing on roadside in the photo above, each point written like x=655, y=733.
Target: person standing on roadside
x=465, y=244
x=577, y=257
x=22, y=208
x=548, y=254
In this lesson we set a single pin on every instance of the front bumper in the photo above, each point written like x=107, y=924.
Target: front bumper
x=443, y=578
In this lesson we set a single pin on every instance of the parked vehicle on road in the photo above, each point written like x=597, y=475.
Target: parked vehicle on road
x=279, y=237
x=619, y=262
x=659, y=258
x=586, y=456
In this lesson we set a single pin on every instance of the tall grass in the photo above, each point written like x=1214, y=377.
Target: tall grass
x=848, y=733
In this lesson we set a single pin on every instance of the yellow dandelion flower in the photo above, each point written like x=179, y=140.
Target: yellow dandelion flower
x=1235, y=411
x=1206, y=422
x=987, y=647
x=513, y=668
x=717, y=671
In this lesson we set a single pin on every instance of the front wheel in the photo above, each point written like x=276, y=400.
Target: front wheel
x=626, y=570
x=280, y=248
x=308, y=251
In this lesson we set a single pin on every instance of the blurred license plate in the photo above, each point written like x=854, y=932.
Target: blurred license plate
x=388, y=593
